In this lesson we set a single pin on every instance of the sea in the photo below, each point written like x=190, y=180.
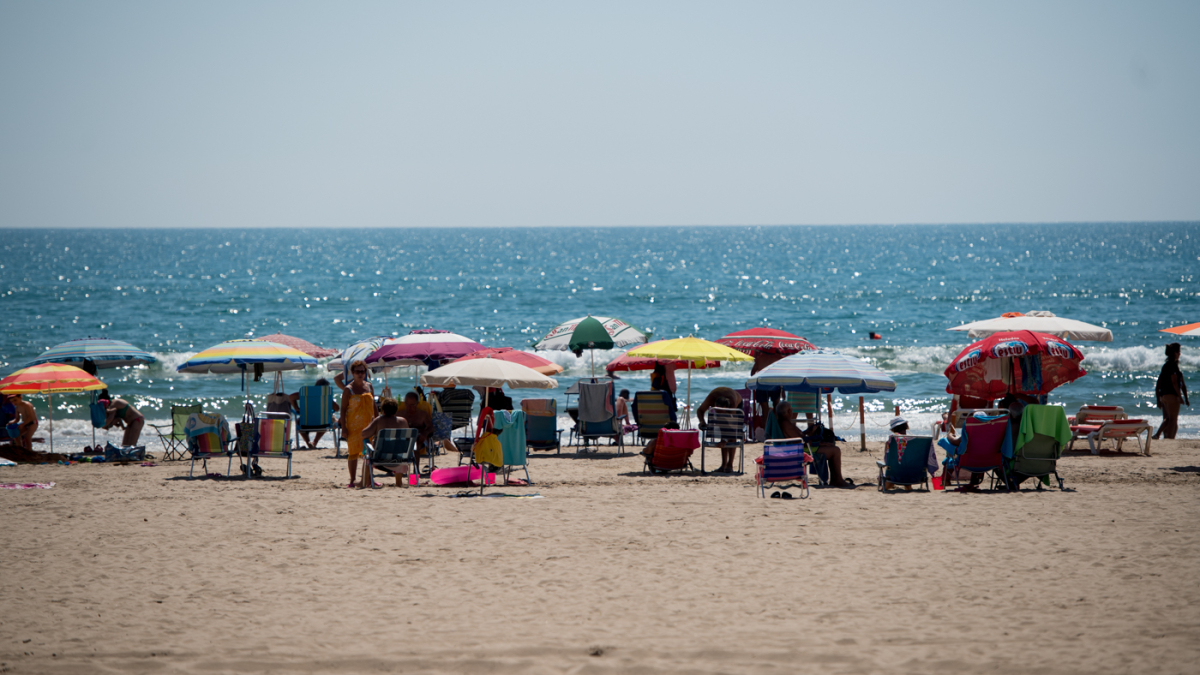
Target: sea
x=174, y=292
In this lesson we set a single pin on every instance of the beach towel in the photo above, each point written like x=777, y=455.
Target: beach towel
x=26, y=486
x=7, y=462
x=595, y=402
x=510, y=429
x=487, y=450
x=1031, y=373
x=1047, y=420
x=773, y=429
x=279, y=403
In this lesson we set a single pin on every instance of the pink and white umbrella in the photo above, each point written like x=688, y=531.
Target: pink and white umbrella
x=427, y=346
x=298, y=344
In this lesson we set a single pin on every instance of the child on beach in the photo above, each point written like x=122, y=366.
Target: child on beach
x=388, y=419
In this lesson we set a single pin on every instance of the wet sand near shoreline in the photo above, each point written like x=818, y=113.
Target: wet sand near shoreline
x=138, y=569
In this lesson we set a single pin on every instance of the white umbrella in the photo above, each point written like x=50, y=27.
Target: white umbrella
x=488, y=372
x=1038, y=322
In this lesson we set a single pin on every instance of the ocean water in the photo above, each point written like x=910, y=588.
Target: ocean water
x=175, y=292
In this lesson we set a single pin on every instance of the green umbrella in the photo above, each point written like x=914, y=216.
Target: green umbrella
x=591, y=333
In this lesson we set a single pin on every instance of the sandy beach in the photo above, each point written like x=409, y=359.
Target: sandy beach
x=138, y=569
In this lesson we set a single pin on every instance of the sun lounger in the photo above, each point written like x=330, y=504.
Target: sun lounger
x=906, y=462
x=1118, y=431
x=174, y=436
x=982, y=449
x=541, y=424
x=208, y=438
x=1089, y=418
x=272, y=440
x=783, y=460
x=724, y=426
x=673, y=450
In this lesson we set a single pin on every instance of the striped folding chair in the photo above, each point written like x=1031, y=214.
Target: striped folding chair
x=724, y=426
x=272, y=440
x=316, y=414
x=652, y=411
x=783, y=460
x=208, y=438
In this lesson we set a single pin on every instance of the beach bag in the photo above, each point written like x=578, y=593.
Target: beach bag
x=487, y=450
x=245, y=431
x=128, y=453
x=442, y=424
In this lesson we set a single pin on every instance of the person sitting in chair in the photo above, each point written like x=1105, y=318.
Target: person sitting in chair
x=721, y=397
x=388, y=419
x=818, y=435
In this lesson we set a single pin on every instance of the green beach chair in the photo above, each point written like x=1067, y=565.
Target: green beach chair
x=174, y=435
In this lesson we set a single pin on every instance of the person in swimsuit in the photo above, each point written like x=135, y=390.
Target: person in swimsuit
x=721, y=397
x=358, y=409
x=28, y=422
x=120, y=412
x=826, y=444
x=388, y=419
x=1169, y=391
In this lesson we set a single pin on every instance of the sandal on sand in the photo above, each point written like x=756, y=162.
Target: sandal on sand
x=775, y=495
x=787, y=495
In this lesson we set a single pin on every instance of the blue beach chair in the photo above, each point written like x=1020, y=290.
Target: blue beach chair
x=905, y=462
x=316, y=414
x=783, y=460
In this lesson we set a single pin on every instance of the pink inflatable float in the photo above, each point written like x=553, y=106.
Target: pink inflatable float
x=459, y=475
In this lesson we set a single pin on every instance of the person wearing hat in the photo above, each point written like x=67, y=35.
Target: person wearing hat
x=898, y=426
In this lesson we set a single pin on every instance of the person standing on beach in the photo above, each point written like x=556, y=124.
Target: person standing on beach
x=721, y=397
x=358, y=406
x=1169, y=391
x=28, y=421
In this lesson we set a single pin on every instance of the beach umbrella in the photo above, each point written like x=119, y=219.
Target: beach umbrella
x=591, y=333
x=104, y=353
x=298, y=344
x=359, y=351
x=625, y=362
x=766, y=345
x=1191, y=329
x=823, y=372
x=1016, y=362
x=240, y=356
x=532, y=361
x=425, y=346
x=50, y=379
x=487, y=372
x=1038, y=322
x=695, y=351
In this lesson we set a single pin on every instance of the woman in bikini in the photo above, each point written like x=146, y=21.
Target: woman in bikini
x=121, y=413
x=358, y=404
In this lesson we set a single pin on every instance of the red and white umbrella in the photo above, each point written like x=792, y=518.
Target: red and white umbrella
x=766, y=345
x=531, y=361
x=299, y=345
x=1014, y=362
x=626, y=362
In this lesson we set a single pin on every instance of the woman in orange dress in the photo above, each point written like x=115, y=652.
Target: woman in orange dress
x=358, y=406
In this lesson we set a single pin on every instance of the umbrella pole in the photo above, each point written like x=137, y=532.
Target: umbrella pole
x=50, y=398
x=829, y=407
x=689, y=405
x=862, y=426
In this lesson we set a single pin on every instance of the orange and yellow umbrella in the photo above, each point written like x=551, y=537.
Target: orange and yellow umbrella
x=50, y=379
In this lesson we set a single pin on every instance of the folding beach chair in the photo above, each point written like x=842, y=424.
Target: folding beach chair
x=316, y=414
x=272, y=440
x=208, y=437
x=541, y=424
x=724, y=426
x=595, y=430
x=1089, y=418
x=510, y=429
x=805, y=403
x=457, y=403
x=673, y=450
x=1039, y=444
x=783, y=460
x=906, y=462
x=1119, y=431
x=652, y=410
x=985, y=440
x=393, y=450
x=174, y=436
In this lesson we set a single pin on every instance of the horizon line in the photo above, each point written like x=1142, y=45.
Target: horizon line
x=577, y=227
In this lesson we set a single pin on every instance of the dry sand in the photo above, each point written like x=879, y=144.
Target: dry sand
x=136, y=569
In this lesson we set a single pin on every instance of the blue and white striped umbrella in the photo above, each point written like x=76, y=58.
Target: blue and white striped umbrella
x=822, y=372
x=103, y=352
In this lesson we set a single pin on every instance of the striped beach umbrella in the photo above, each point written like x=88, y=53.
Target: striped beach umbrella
x=822, y=372
x=532, y=361
x=591, y=333
x=103, y=352
x=425, y=346
x=238, y=356
x=1191, y=329
x=50, y=379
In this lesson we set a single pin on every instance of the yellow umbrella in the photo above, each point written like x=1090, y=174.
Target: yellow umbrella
x=49, y=379
x=693, y=350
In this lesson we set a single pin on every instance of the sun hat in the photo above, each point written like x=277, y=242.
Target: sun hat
x=897, y=422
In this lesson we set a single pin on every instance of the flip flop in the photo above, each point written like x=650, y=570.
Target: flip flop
x=787, y=495
x=775, y=495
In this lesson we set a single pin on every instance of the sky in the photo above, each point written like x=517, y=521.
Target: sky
x=486, y=114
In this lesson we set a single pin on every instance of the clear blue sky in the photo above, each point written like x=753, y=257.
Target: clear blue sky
x=342, y=114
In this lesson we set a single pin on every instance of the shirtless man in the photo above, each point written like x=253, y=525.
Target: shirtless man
x=826, y=446
x=417, y=418
x=721, y=397
x=388, y=419
x=28, y=421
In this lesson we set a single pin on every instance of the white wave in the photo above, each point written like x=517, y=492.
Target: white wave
x=1135, y=359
